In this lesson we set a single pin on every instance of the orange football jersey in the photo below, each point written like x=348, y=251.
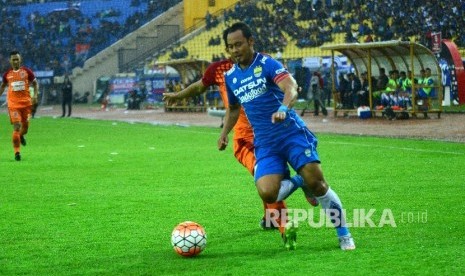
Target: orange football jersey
x=214, y=75
x=18, y=87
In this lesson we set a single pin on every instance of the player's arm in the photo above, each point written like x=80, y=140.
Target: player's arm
x=289, y=86
x=192, y=90
x=2, y=88
x=35, y=85
x=230, y=119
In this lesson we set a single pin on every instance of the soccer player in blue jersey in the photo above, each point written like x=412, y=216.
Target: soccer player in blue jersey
x=267, y=92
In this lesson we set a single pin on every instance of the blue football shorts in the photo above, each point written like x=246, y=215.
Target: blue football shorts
x=297, y=149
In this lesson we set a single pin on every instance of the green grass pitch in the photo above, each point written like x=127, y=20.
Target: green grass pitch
x=101, y=197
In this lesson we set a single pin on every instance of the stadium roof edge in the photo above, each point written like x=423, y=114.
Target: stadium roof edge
x=400, y=55
x=390, y=43
x=181, y=65
x=183, y=61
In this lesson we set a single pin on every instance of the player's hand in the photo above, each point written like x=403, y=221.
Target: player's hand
x=170, y=98
x=223, y=142
x=278, y=117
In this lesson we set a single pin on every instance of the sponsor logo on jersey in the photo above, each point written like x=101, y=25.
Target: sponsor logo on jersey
x=246, y=79
x=281, y=70
x=251, y=90
x=18, y=86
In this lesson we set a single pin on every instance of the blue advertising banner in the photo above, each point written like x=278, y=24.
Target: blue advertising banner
x=120, y=87
x=155, y=86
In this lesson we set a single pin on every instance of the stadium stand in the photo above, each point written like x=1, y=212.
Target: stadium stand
x=299, y=30
x=60, y=35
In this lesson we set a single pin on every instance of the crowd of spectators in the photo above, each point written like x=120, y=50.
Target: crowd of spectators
x=401, y=20
x=65, y=38
x=23, y=2
x=274, y=25
x=375, y=21
x=179, y=53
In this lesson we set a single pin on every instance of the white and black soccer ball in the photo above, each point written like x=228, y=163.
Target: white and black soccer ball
x=188, y=239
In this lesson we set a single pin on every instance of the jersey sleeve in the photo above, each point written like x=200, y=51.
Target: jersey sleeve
x=209, y=77
x=276, y=70
x=4, y=79
x=30, y=75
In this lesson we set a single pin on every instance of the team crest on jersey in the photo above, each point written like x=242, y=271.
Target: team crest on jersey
x=234, y=80
x=308, y=152
x=22, y=74
x=257, y=71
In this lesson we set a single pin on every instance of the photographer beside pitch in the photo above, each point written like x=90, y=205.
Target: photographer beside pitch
x=267, y=92
x=18, y=79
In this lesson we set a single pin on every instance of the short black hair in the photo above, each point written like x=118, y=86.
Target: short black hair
x=246, y=30
x=14, y=52
x=225, y=37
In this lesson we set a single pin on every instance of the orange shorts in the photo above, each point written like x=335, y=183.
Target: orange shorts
x=244, y=153
x=19, y=115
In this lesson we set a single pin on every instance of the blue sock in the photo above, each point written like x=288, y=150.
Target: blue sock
x=297, y=180
x=342, y=231
x=289, y=186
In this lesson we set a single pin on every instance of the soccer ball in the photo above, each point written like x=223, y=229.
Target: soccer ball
x=188, y=239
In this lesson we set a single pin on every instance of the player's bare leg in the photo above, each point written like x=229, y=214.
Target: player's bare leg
x=23, y=131
x=271, y=188
x=16, y=138
x=272, y=218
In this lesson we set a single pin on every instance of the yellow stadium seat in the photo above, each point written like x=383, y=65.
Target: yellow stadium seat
x=198, y=45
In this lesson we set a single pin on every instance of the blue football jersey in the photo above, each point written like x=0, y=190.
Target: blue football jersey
x=256, y=90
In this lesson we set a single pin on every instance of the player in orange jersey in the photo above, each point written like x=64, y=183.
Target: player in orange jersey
x=18, y=79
